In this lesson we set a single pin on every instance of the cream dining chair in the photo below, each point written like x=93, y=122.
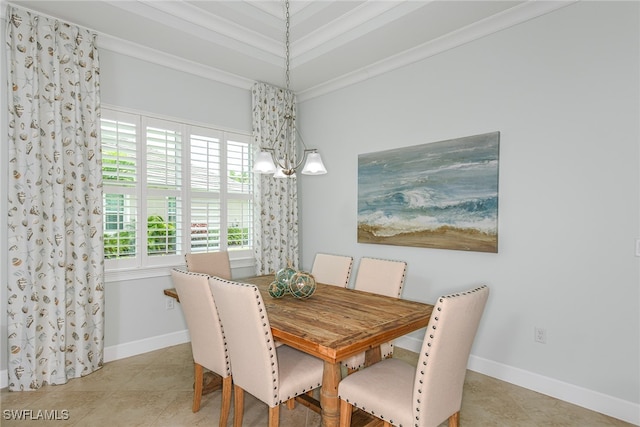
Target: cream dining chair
x=401, y=394
x=332, y=269
x=383, y=277
x=207, y=343
x=211, y=263
x=271, y=374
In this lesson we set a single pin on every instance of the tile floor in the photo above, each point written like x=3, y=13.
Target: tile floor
x=156, y=389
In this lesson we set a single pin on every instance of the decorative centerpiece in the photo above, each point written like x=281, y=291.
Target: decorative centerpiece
x=300, y=284
x=284, y=275
x=277, y=290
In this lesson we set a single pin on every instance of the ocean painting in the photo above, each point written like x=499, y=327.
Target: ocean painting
x=440, y=195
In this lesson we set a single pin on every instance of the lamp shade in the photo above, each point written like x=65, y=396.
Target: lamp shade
x=314, y=165
x=264, y=163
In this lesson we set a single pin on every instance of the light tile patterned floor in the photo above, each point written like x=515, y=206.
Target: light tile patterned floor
x=156, y=389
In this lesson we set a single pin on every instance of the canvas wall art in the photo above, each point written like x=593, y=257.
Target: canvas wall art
x=440, y=195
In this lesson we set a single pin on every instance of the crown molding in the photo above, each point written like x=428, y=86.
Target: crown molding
x=475, y=31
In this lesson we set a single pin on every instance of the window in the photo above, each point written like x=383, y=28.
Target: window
x=172, y=188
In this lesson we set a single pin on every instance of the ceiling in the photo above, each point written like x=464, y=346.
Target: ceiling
x=333, y=42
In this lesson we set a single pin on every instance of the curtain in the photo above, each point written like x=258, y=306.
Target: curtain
x=55, y=303
x=276, y=229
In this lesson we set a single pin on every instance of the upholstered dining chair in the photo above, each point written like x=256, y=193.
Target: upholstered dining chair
x=424, y=396
x=271, y=374
x=332, y=269
x=207, y=343
x=211, y=263
x=378, y=276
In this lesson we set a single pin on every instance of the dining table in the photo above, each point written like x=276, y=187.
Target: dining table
x=335, y=323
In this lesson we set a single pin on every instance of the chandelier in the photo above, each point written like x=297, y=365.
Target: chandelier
x=282, y=164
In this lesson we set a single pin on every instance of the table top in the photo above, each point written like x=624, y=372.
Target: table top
x=336, y=323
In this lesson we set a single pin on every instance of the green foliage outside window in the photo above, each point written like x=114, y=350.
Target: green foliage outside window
x=161, y=239
x=237, y=236
x=117, y=169
x=120, y=244
x=161, y=236
x=242, y=178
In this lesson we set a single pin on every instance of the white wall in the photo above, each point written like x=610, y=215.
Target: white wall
x=133, y=83
x=563, y=90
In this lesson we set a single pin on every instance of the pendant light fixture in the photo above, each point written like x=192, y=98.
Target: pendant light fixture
x=281, y=164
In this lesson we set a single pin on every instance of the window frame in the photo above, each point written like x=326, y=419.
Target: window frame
x=143, y=265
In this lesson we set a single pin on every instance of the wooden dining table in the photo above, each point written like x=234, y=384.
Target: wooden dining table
x=336, y=323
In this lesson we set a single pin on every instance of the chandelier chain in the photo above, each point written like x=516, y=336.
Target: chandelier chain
x=287, y=49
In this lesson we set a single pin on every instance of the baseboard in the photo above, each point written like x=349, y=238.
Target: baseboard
x=146, y=345
x=589, y=399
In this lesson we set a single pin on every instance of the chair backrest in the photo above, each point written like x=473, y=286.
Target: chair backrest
x=332, y=269
x=442, y=363
x=381, y=276
x=246, y=328
x=211, y=263
x=207, y=342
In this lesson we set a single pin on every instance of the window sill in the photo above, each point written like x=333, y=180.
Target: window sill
x=127, y=274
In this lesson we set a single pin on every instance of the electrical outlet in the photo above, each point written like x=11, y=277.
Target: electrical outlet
x=637, y=247
x=169, y=304
x=540, y=335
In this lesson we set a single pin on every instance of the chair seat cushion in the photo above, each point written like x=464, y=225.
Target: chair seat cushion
x=385, y=390
x=298, y=372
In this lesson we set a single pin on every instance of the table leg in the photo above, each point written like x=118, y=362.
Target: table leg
x=329, y=395
x=210, y=382
x=373, y=355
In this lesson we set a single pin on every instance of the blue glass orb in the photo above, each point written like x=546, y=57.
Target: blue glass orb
x=276, y=290
x=302, y=285
x=284, y=275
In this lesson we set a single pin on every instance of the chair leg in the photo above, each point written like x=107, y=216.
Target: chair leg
x=291, y=403
x=274, y=416
x=454, y=420
x=197, y=387
x=225, y=406
x=238, y=402
x=346, y=409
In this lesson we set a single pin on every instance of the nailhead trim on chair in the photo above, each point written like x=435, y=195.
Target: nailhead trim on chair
x=349, y=272
x=431, y=337
x=436, y=318
x=404, y=272
x=272, y=349
x=191, y=273
x=224, y=339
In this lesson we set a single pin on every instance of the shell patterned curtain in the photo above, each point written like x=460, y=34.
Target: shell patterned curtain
x=276, y=228
x=56, y=269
